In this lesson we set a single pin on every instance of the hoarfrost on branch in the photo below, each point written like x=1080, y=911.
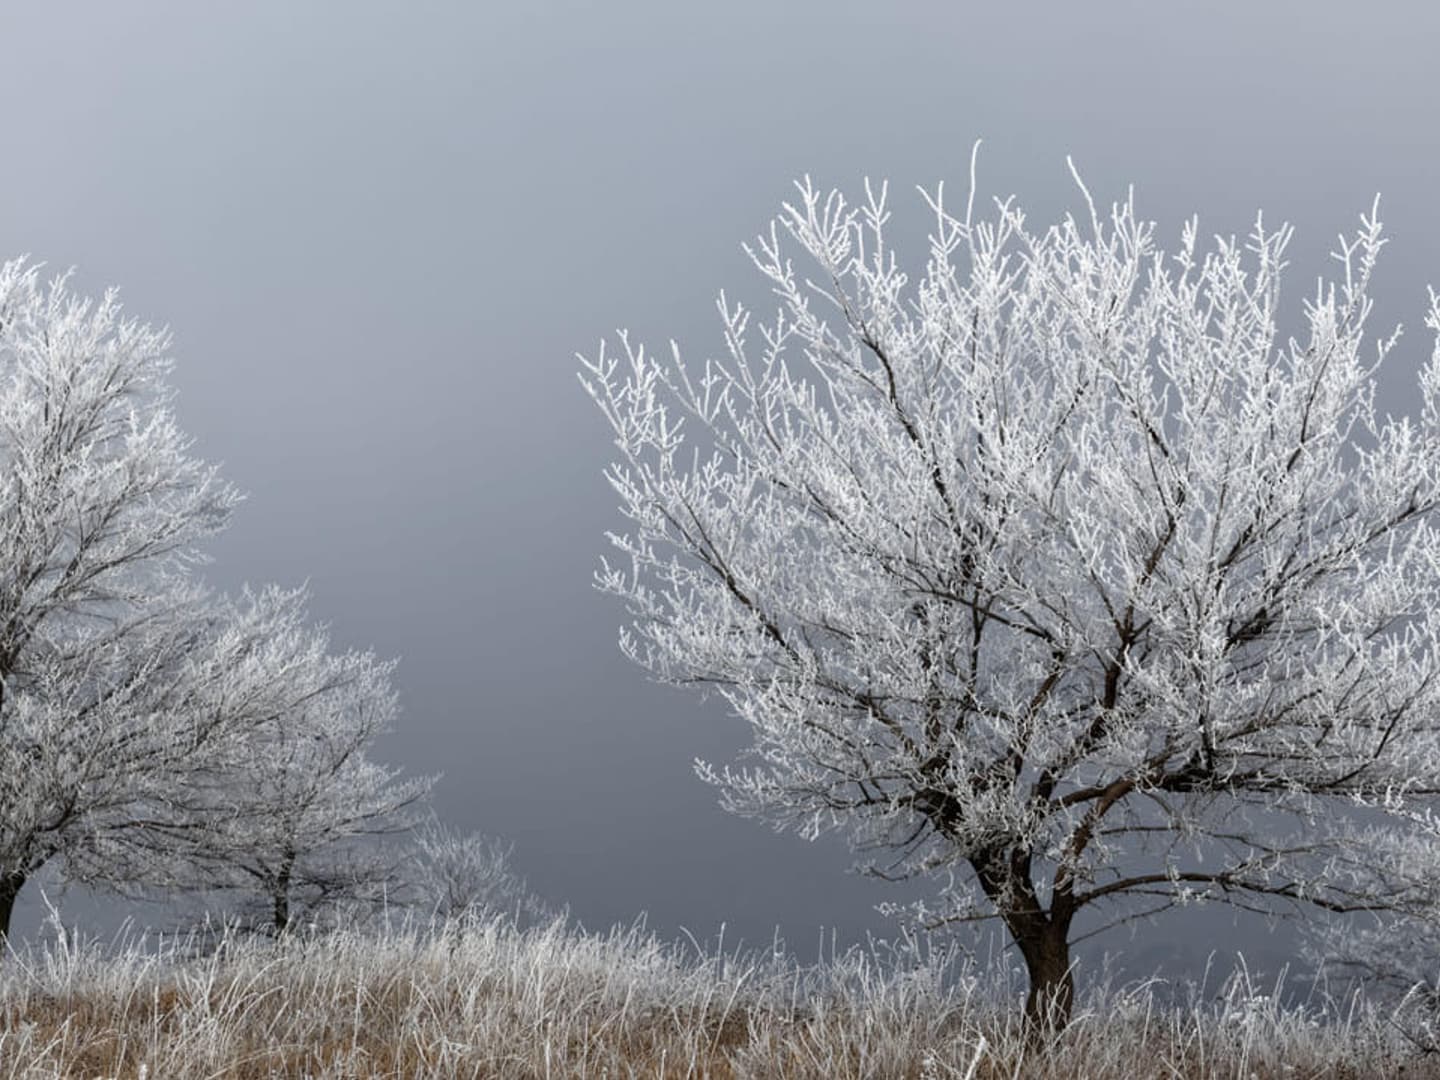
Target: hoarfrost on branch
x=1055, y=573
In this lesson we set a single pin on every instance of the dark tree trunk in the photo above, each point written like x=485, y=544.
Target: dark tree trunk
x=281, y=894
x=10, y=886
x=1043, y=937
x=1052, y=982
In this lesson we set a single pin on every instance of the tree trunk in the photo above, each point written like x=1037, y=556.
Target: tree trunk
x=10, y=886
x=281, y=894
x=1052, y=982
x=281, y=912
x=1043, y=938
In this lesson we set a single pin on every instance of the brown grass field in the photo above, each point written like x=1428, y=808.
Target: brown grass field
x=484, y=998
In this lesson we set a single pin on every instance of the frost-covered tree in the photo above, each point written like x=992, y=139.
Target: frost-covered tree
x=104, y=635
x=290, y=829
x=126, y=690
x=1393, y=954
x=458, y=874
x=1057, y=573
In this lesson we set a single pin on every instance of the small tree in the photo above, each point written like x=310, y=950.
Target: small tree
x=1394, y=955
x=458, y=874
x=1058, y=575
x=292, y=825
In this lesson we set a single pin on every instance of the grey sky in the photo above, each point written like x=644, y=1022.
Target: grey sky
x=380, y=233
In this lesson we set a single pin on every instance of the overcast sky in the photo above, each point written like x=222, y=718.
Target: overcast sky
x=381, y=232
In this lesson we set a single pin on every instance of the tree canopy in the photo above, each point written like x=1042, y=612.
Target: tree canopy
x=1057, y=574
x=129, y=693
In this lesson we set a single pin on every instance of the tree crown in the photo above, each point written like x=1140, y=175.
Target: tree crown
x=1056, y=570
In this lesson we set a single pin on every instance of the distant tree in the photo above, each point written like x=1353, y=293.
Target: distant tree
x=1058, y=576
x=126, y=689
x=1394, y=955
x=290, y=829
x=469, y=873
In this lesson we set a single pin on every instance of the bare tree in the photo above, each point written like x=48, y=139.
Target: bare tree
x=1393, y=954
x=128, y=694
x=470, y=873
x=104, y=636
x=292, y=826
x=1057, y=576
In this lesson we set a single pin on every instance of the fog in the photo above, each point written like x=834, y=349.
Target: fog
x=381, y=233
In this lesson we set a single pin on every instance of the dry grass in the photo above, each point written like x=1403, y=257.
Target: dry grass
x=485, y=999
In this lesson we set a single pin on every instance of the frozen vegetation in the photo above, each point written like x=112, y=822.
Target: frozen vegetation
x=1043, y=565
x=483, y=997
x=1056, y=575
